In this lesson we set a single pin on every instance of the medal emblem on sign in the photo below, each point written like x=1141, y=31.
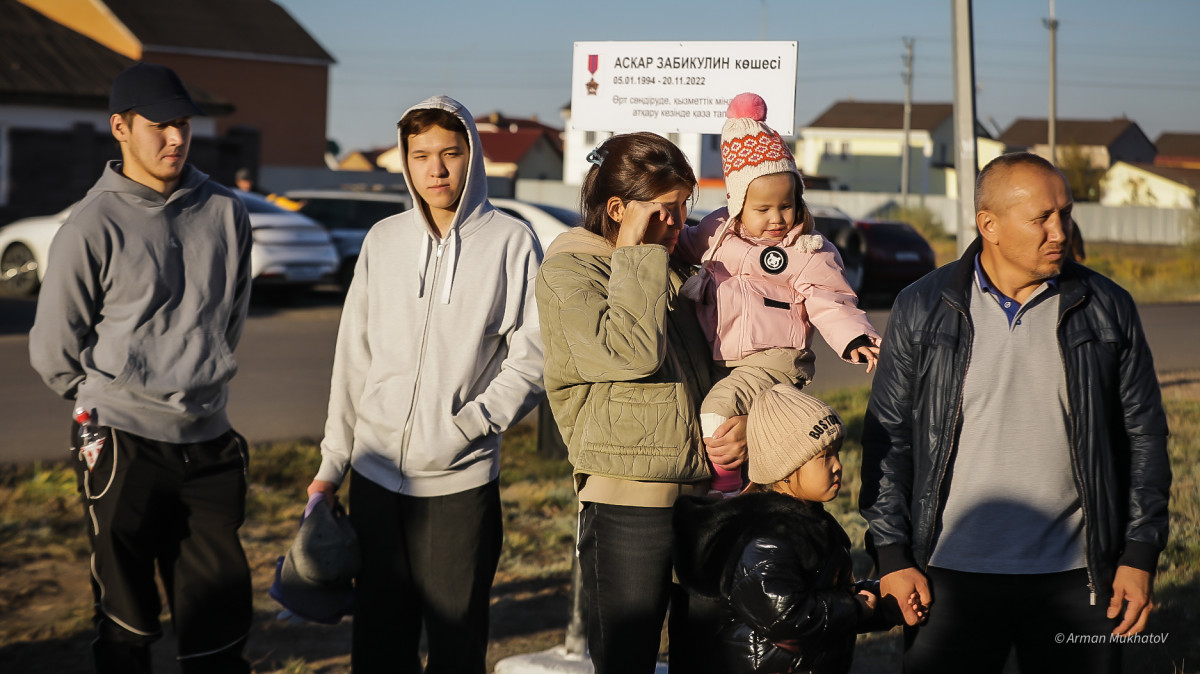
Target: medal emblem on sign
x=773, y=260
x=593, y=65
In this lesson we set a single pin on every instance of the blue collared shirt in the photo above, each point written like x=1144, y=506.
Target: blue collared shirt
x=1011, y=307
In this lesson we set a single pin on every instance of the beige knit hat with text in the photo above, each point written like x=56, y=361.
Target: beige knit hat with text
x=787, y=427
x=750, y=149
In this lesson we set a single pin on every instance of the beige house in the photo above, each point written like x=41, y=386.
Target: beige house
x=1104, y=141
x=1129, y=184
x=858, y=144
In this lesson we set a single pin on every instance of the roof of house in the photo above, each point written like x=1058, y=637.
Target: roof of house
x=1189, y=177
x=497, y=121
x=258, y=27
x=511, y=146
x=882, y=115
x=1026, y=132
x=1178, y=144
x=46, y=63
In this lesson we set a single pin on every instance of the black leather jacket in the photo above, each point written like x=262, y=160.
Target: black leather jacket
x=1118, y=427
x=770, y=586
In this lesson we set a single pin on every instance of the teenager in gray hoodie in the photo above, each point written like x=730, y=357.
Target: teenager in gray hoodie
x=143, y=302
x=438, y=352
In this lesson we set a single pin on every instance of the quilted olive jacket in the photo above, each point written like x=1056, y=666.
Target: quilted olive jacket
x=626, y=362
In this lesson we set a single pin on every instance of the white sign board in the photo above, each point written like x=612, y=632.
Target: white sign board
x=679, y=87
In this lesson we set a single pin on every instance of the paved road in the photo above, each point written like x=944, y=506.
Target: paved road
x=286, y=357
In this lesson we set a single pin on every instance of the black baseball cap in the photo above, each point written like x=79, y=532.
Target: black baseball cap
x=153, y=91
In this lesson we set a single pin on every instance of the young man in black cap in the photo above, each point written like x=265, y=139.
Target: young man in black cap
x=143, y=302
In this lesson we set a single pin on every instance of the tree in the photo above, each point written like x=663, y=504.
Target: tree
x=1083, y=176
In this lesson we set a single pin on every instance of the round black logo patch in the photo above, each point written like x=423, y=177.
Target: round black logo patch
x=773, y=260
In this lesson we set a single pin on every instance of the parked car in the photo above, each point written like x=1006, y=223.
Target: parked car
x=547, y=221
x=289, y=249
x=347, y=215
x=896, y=255
x=839, y=228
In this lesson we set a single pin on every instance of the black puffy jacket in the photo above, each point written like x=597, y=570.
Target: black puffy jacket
x=1118, y=428
x=770, y=586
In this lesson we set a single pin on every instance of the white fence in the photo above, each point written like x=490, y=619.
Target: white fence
x=1123, y=224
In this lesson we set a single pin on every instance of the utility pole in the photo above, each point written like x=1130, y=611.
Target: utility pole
x=908, y=81
x=764, y=20
x=964, y=119
x=1052, y=24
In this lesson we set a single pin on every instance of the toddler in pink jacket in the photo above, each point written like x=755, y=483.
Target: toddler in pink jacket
x=766, y=282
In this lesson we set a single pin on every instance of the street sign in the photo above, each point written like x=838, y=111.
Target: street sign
x=679, y=87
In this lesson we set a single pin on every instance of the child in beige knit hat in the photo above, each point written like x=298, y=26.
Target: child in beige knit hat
x=769, y=573
x=767, y=282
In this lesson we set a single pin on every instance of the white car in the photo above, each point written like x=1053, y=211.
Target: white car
x=547, y=221
x=348, y=214
x=289, y=248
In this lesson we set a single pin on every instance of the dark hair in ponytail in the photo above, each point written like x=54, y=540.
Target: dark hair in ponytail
x=630, y=166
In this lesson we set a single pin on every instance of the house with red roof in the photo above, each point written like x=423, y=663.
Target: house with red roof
x=1178, y=149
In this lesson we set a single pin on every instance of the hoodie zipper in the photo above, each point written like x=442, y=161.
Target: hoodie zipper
x=1075, y=470
x=431, y=290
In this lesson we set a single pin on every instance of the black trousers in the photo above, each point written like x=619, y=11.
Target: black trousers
x=625, y=561
x=177, y=507
x=977, y=618
x=426, y=560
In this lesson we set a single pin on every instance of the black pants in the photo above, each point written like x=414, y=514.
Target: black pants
x=177, y=506
x=425, y=559
x=625, y=560
x=977, y=618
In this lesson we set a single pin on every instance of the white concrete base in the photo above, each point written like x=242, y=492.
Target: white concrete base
x=553, y=661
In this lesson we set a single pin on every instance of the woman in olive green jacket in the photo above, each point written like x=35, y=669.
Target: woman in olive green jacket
x=626, y=368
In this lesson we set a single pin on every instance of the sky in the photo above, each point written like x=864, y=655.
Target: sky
x=1116, y=58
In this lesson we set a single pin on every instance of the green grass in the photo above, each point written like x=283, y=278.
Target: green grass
x=40, y=517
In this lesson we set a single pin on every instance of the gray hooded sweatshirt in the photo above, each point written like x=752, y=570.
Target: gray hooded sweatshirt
x=142, y=304
x=439, y=349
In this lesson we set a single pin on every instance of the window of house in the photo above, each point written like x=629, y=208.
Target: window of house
x=845, y=150
x=829, y=148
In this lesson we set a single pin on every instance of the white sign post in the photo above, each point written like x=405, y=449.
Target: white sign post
x=679, y=87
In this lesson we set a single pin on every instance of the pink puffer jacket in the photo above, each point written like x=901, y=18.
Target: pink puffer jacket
x=748, y=309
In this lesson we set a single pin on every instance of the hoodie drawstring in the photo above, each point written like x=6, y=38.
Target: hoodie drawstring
x=452, y=261
x=421, y=266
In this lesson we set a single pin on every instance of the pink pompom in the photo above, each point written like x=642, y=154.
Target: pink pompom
x=747, y=105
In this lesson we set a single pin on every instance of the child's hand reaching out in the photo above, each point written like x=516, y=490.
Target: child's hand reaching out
x=867, y=601
x=866, y=354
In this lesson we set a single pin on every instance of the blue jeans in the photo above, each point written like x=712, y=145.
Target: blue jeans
x=625, y=560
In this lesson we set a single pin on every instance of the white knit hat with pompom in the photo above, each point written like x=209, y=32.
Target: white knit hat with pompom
x=750, y=148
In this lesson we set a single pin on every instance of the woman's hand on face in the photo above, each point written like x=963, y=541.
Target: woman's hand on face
x=636, y=220
x=727, y=446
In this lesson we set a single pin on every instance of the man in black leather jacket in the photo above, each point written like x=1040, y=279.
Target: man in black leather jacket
x=1014, y=449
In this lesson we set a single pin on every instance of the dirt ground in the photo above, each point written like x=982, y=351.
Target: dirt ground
x=45, y=608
